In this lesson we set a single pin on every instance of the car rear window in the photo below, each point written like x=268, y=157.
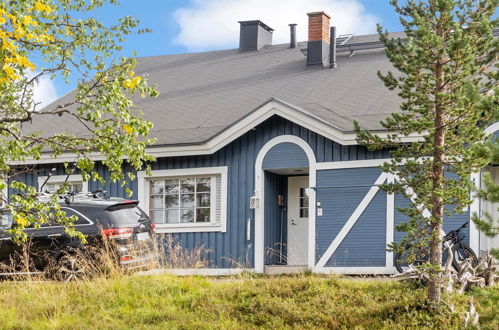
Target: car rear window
x=125, y=214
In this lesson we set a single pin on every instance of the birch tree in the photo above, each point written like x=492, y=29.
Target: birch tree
x=62, y=39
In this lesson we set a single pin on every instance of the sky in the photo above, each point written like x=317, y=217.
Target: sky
x=183, y=26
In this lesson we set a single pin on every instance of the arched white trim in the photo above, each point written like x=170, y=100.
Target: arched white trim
x=492, y=128
x=259, y=192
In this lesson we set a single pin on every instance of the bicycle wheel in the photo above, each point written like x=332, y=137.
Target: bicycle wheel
x=463, y=252
x=409, y=257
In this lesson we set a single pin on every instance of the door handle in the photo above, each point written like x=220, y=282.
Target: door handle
x=293, y=222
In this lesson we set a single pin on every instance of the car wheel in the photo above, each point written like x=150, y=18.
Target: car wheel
x=70, y=268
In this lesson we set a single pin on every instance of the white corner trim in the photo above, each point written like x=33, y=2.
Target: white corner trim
x=259, y=192
x=5, y=191
x=73, y=178
x=143, y=196
x=475, y=208
x=357, y=270
x=352, y=220
x=476, y=203
x=390, y=222
x=196, y=271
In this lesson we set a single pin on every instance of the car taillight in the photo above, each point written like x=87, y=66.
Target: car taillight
x=117, y=233
x=153, y=227
x=125, y=258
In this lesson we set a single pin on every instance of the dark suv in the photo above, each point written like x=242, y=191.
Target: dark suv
x=128, y=228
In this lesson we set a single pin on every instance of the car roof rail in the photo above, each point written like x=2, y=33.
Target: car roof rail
x=71, y=197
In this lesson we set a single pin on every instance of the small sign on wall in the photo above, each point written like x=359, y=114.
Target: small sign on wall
x=319, y=211
x=254, y=202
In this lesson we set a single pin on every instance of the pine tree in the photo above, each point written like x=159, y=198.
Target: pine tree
x=447, y=79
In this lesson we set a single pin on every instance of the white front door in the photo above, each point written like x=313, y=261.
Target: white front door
x=298, y=221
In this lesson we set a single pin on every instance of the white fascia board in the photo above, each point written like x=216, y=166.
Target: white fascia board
x=351, y=164
x=296, y=115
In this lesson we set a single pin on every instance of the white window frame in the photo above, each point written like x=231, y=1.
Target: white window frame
x=5, y=191
x=72, y=179
x=144, y=185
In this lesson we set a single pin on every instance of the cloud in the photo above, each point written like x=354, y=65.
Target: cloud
x=212, y=24
x=44, y=92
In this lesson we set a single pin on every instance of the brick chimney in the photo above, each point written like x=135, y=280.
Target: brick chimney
x=318, y=38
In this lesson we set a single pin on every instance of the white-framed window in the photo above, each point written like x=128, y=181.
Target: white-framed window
x=75, y=181
x=185, y=200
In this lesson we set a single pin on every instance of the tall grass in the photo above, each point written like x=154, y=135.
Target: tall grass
x=166, y=302
x=173, y=255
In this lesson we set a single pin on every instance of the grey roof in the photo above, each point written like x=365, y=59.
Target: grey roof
x=201, y=94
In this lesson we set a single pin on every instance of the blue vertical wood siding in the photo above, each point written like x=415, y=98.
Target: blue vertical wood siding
x=231, y=249
x=276, y=224
x=453, y=222
x=365, y=244
x=285, y=155
x=340, y=191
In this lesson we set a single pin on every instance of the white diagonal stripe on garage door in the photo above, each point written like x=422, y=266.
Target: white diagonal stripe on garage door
x=351, y=221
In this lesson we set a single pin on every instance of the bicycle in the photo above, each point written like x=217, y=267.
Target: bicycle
x=459, y=250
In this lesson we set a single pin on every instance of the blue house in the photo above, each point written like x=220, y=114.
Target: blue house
x=257, y=159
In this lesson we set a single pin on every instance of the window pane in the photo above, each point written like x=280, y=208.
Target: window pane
x=187, y=215
x=157, y=201
x=171, y=201
x=187, y=200
x=158, y=187
x=304, y=202
x=187, y=185
x=203, y=184
x=171, y=186
x=77, y=188
x=6, y=221
x=303, y=213
x=203, y=215
x=203, y=200
x=171, y=216
x=157, y=216
x=51, y=187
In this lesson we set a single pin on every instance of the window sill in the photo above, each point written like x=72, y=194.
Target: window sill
x=189, y=228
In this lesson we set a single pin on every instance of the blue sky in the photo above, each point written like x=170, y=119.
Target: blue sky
x=180, y=26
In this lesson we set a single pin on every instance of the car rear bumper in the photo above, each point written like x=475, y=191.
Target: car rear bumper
x=141, y=261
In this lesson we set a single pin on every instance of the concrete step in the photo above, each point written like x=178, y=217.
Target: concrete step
x=281, y=270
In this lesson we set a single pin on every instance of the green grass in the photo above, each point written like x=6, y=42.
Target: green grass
x=245, y=302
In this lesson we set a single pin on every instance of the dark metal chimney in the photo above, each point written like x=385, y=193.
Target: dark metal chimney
x=254, y=35
x=292, y=35
x=332, y=52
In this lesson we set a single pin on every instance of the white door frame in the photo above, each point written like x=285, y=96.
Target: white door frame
x=259, y=193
